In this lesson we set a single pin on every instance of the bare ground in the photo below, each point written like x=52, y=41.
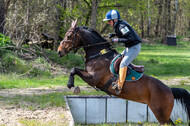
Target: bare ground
x=14, y=115
x=11, y=115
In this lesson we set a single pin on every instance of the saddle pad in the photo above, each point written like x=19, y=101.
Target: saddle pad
x=132, y=76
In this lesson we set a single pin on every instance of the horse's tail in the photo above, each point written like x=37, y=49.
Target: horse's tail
x=182, y=96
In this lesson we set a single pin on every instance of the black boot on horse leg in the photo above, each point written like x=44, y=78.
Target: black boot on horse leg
x=70, y=83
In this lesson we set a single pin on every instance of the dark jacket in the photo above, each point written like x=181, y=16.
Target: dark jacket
x=126, y=34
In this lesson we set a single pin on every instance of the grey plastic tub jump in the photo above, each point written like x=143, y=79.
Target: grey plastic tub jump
x=105, y=109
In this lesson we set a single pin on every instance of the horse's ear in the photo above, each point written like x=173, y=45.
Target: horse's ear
x=74, y=23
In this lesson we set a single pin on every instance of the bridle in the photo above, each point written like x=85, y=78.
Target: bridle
x=73, y=40
x=75, y=32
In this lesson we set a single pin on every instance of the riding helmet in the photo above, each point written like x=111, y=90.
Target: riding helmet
x=111, y=15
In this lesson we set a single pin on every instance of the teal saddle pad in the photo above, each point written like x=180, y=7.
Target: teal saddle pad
x=131, y=74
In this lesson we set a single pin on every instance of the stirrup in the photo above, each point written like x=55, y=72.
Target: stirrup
x=114, y=85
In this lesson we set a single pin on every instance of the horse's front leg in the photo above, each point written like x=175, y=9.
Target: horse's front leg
x=87, y=77
x=70, y=83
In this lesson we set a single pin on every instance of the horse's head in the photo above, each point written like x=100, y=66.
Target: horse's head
x=71, y=40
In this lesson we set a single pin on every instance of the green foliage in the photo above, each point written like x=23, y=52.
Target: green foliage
x=69, y=13
x=4, y=40
x=69, y=61
x=13, y=64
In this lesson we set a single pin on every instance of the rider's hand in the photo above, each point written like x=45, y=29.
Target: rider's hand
x=115, y=40
x=111, y=35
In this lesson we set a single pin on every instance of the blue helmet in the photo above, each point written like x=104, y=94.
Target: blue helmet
x=111, y=15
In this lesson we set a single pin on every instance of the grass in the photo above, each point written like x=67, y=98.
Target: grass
x=14, y=81
x=163, y=62
x=34, y=102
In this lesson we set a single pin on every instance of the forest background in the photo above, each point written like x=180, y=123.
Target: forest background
x=27, y=20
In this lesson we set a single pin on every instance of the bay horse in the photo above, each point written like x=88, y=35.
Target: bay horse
x=147, y=90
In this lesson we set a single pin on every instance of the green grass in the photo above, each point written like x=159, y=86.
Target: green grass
x=34, y=122
x=14, y=81
x=34, y=102
x=162, y=61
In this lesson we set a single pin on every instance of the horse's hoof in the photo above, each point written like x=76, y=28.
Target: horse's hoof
x=76, y=90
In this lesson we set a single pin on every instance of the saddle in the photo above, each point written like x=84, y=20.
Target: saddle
x=134, y=72
x=136, y=68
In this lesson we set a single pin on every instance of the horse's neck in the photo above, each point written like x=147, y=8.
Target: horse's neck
x=93, y=43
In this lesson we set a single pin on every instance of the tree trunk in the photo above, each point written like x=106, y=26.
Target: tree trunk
x=142, y=25
x=156, y=32
x=93, y=14
x=2, y=16
x=89, y=11
x=169, y=17
x=165, y=19
x=165, y=22
x=57, y=36
x=175, y=17
x=149, y=19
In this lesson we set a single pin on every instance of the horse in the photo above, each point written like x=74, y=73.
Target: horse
x=147, y=90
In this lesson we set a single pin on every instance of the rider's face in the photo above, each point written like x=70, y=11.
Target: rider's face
x=110, y=22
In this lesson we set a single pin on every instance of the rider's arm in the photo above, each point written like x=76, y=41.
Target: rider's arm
x=129, y=39
x=126, y=34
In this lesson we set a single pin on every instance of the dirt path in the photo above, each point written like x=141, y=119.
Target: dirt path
x=11, y=115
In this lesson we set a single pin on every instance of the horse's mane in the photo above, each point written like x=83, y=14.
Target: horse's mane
x=95, y=33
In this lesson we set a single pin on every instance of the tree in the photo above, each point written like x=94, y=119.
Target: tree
x=2, y=16
x=159, y=4
x=175, y=17
x=94, y=13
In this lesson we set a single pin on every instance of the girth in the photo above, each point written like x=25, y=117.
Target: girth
x=107, y=85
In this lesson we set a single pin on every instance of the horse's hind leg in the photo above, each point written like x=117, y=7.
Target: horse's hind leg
x=162, y=107
x=162, y=114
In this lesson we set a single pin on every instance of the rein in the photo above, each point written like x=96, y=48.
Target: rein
x=75, y=32
x=96, y=44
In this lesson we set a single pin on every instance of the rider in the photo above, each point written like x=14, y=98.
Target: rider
x=127, y=35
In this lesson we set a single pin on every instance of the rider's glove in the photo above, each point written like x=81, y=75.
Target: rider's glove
x=115, y=40
x=111, y=35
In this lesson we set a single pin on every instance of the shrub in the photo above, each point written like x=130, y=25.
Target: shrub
x=40, y=68
x=13, y=64
x=4, y=40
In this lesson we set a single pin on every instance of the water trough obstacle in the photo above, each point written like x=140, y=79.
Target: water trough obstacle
x=105, y=109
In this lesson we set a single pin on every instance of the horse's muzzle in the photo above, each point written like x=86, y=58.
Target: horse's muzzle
x=60, y=54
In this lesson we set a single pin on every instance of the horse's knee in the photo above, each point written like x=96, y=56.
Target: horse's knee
x=72, y=72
